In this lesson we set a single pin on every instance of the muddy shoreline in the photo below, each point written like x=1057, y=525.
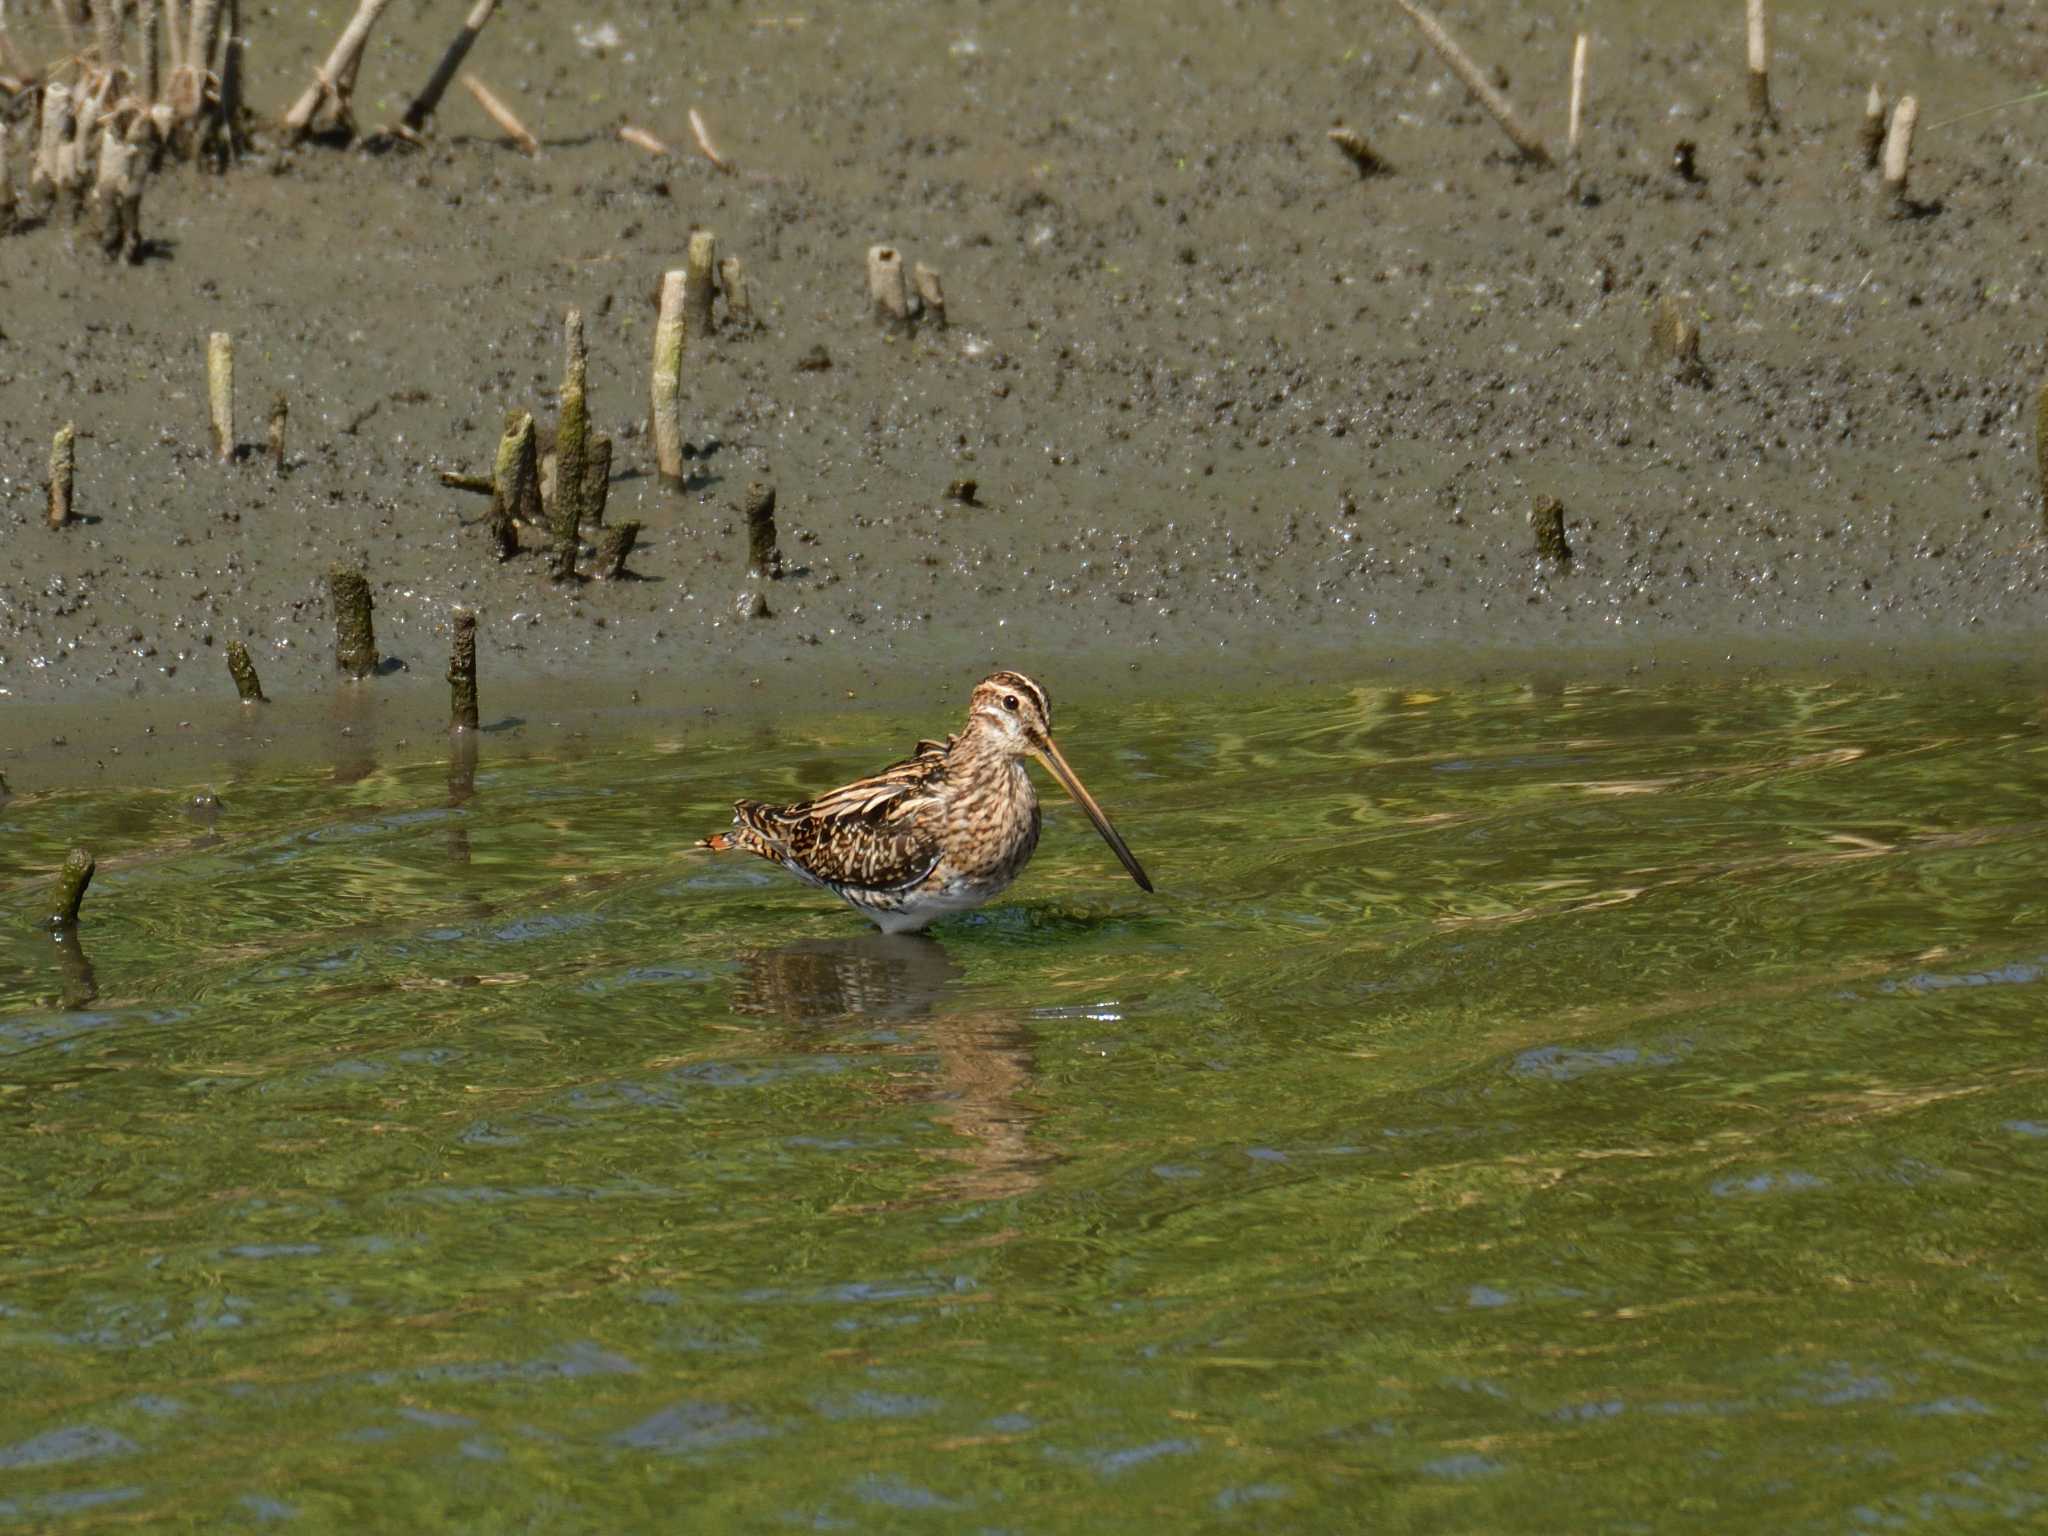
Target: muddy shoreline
x=1233, y=411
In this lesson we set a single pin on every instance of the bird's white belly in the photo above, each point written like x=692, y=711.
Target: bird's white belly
x=918, y=909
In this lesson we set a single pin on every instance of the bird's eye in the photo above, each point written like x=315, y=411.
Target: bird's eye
x=1010, y=702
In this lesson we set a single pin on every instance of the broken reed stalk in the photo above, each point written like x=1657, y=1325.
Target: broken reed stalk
x=640, y=138
x=355, y=641
x=1356, y=148
x=115, y=194
x=618, y=545
x=1498, y=107
x=758, y=504
x=1575, y=123
x=501, y=114
x=220, y=393
x=108, y=21
x=1870, y=137
x=8, y=215
x=247, y=685
x=280, y=417
x=462, y=714
x=69, y=891
x=63, y=464
x=705, y=147
x=597, y=479
x=930, y=292
x=333, y=78
x=1760, y=64
x=2041, y=450
x=572, y=447
x=515, y=484
x=46, y=169
x=671, y=334
x=1546, y=517
x=886, y=289
x=1898, y=148
x=424, y=105
x=700, y=281
x=152, y=50
x=732, y=282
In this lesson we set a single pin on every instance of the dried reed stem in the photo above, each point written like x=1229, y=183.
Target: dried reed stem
x=280, y=418
x=1575, y=125
x=640, y=138
x=69, y=890
x=1524, y=138
x=732, y=282
x=1898, y=147
x=700, y=282
x=332, y=79
x=930, y=292
x=572, y=446
x=63, y=466
x=1870, y=137
x=1356, y=148
x=355, y=639
x=462, y=715
x=220, y=393
x=429, y=99
x=1760, y=63
x=501, y=114
x=887, y=292
x=616, y=549
x=671, y=334
x=248, y=686
x=704, y=145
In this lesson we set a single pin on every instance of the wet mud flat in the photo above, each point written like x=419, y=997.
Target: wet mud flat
x=1220, y=396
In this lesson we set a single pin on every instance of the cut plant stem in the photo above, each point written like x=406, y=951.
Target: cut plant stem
x=758, y=504
x=456, y=480
x=1898, y=148
x=1870, y=137
x=280, y=415
x=700, y=282
x=1760, y=63
x=501, y=114
x=671, y=333
x=703, y=137
x=462, y=674
x=69, y=891
x=640, y=138
x=618, y=544
x=1359, y=151
x=515, y=493
x=424, y=105
x=930, y=292
x=732, y=282
x=333, y=79
x=886, y=289
x=1575, y=124
x=243, y=671
x=1546, y=517
x=2041, y=450
x=1525, y=139
x=220, y=393
x=355, y=641
x=597, y=479
x=63, y=464
x=8, y=214
x=572, y=444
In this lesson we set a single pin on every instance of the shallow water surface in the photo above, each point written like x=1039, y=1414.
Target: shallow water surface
x=1527, y=1109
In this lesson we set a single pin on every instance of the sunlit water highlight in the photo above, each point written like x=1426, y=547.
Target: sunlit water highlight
x=1583, y=1109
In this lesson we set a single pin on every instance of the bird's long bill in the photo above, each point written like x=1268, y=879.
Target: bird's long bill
x=1048, y=753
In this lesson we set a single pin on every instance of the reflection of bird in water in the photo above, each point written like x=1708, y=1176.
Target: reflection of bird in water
x=945, y=830
x=984, y=1058
x=883, y=977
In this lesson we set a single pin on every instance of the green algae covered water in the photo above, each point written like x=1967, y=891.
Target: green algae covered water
x=1599, y=1109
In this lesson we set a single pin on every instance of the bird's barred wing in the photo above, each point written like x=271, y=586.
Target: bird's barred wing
x=873, y=833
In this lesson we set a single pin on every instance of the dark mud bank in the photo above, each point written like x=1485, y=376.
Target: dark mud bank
x=1218, y=393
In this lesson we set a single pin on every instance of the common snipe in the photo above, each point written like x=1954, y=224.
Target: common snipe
x=945, y=830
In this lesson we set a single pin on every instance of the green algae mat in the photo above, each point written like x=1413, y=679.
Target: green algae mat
x=1521, y=1109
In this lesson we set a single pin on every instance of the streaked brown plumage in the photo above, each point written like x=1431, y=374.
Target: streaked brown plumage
x=945, y=830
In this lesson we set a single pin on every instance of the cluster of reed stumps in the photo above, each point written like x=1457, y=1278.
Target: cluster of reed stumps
x=140, y=81
x=1884, y=139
